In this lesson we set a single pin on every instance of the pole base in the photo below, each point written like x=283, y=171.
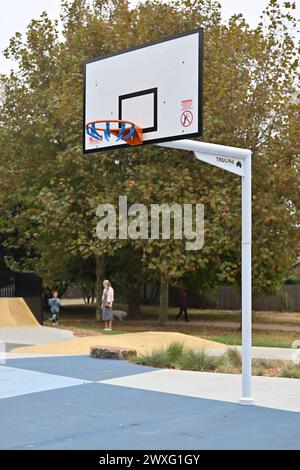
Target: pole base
x=246, y=401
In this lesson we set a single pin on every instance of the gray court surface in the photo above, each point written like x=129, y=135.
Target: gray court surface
x=33, y=335
x=77, y=402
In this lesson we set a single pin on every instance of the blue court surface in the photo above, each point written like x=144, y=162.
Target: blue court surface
x=67, y=403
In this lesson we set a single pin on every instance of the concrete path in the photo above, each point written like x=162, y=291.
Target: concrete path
x=83, y=403
x=32, y=336
x=236, y=325
x=280, y=354
x=269, y=392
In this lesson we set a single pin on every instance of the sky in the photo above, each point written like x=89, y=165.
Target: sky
x=15, y=16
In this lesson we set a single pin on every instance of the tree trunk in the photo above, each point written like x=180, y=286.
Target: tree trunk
x=100, y=276
x=134, y=301
x=164, y=300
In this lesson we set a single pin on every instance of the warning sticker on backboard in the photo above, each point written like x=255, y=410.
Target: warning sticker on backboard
x=187, y=118
x=187, y=104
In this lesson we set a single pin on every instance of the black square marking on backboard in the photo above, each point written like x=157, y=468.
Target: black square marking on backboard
x=150, y=91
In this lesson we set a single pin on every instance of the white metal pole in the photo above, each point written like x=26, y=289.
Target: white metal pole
x=246, y=284
x=245, y=155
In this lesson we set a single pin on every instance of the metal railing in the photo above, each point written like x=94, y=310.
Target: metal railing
x=7, y=284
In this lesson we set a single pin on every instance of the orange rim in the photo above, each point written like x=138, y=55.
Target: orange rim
x=136, y=139
x=110, y=120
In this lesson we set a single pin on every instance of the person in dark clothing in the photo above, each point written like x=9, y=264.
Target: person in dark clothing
x=183, y=304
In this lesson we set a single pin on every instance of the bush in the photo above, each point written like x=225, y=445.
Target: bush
x=157, y=358
x=175, y=351
x=230, y=362
x=291, y=371
x=233, y=356
x=258, y=370
x=259, y=366
x=162, y=357
x=175, y=355
x=197, y=361
x=261, y=363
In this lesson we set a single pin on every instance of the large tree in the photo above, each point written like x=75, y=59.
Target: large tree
x=50, y=191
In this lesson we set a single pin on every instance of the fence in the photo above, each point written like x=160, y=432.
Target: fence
x=26, y=285
x=7, y=284
x=229, y=298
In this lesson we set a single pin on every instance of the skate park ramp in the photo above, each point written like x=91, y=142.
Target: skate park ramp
x=141, y=342
x=19, y=327
x=15, y=312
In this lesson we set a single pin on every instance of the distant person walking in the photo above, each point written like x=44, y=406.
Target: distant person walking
x=183, y=304
x=54, y=304
x=107, y=304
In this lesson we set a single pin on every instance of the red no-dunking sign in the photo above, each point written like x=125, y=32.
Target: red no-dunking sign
x=186, y=118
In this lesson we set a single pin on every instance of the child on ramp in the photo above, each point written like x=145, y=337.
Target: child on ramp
x=54, y=304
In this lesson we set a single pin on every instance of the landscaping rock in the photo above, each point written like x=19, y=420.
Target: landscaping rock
x=109, y=352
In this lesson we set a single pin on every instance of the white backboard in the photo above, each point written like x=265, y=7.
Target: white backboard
x=158, y=86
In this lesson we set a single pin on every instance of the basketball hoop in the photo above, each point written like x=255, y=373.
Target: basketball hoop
x=126, y=130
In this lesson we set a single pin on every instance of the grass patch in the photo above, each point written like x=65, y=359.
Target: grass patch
x=86, y=326
x=279, y=318
x=230, y=340
x=150, y=312
x=259, y=339
x=114, y=332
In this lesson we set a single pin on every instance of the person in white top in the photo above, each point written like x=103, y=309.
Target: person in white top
x=107, y=305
